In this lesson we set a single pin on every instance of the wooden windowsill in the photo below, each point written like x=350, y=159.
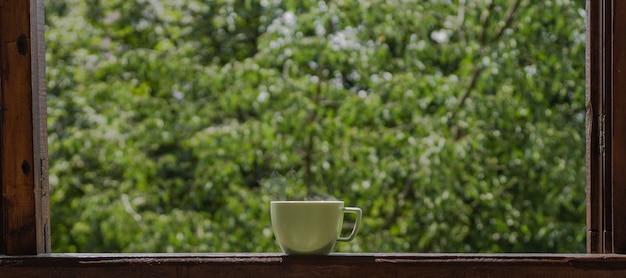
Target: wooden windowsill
x=334, y=265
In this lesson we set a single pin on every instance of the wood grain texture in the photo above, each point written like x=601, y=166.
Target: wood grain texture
x=606, y=144
x=595, y=158
x=619, y=127
x=335, y=265
x=40, y=128
x=20, y=87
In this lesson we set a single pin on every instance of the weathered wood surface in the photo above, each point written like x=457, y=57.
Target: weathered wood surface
x=606, y=126
x=18, y=223
x=335, y=265
x=40, y=126
x=618, y=191
x=596, y=161
x=22, y=129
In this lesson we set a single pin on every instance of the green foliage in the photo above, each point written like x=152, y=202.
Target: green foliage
x=457, y=126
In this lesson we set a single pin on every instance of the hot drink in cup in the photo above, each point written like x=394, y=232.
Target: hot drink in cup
x=310, y=227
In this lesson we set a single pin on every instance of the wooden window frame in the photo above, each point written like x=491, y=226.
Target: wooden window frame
x=24, y=209
x=606, y=126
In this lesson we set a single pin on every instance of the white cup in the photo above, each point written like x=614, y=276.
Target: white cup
x=310, y=227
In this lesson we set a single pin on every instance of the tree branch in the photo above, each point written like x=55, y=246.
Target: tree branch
x=466, y=93
x=460, y=18
x=508, y=20
x=391, y=218
x=485, y=24
x=310, y=147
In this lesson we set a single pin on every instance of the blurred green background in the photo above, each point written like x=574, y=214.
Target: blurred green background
x=457, y=126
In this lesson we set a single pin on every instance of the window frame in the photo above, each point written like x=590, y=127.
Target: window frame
x=24, y=210
x=606, y=125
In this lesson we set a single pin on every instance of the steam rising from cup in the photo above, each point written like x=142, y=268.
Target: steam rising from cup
x=291, y=187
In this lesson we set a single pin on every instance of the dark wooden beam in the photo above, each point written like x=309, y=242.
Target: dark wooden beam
x=606, y=126
x=618, y=190
x=595, y=117
x=335, y=265
x=23, y=146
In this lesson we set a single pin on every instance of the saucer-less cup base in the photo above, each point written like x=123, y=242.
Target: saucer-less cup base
x=310, y=227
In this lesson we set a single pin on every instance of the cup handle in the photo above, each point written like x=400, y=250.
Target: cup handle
x=357, y=223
